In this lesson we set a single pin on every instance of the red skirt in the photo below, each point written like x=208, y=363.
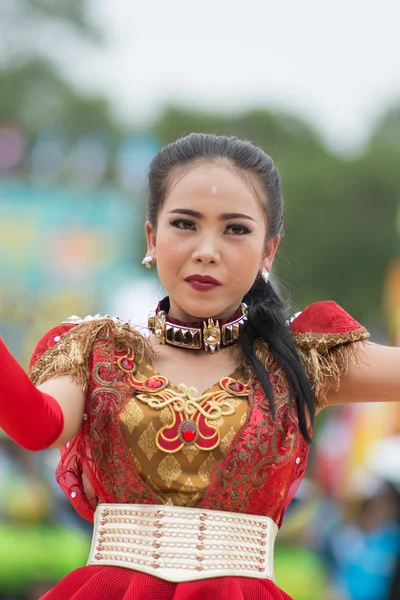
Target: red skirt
x=116, y=583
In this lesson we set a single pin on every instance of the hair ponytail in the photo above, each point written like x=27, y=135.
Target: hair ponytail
x=268, y=321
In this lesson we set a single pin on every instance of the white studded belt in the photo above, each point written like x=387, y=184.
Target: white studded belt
x=183, y=544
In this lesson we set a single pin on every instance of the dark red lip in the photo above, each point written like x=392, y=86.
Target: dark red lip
x=203, y=279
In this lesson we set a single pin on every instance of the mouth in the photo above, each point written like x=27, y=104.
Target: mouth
x=202, y=279
x=202, y=283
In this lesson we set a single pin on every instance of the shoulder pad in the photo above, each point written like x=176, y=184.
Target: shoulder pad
x=324, y=317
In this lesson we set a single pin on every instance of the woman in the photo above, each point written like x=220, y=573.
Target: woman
x=206, y=424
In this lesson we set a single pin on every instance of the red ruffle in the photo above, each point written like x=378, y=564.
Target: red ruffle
x=115, y=583
x=324, y=317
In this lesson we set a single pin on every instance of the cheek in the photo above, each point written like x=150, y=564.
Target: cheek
x=169, y=251
x=167, y=244
x=245, y=261
x=245, y=268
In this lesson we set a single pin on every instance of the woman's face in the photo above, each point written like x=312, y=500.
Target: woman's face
x=210, y=226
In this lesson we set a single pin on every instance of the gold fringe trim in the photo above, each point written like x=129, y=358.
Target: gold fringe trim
x=322, y=342
x=262, y=352
x=71, y=355
x=325, y=358
x=270, y=363
x=326, y=370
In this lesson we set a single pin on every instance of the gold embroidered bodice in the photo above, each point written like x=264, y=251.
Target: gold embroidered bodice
x=175, y=436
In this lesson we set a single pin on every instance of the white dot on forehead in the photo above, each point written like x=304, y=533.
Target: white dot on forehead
x=214, y=189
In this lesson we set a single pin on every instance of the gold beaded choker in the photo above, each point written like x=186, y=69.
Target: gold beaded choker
x=209, y=335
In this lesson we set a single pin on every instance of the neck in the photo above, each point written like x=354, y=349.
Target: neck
x=174, y=311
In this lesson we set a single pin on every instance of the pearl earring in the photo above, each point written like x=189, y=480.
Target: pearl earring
x=148, y=261
x=265, y=274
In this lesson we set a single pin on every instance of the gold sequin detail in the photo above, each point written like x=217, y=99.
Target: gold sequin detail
x=190, y=451
x=218, y=424
x=169, y=469
x=152, y=484
x=188, y=492
x=166, y=416
x=226, y=441
x=135, y=461
x=131, y=415
x=233, y=403
x=147, y=442
x=205, y=469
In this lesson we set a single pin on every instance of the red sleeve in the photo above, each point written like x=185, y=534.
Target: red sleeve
x=325, y=318
x=324, y=335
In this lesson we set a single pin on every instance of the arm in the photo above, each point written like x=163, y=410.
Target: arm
x=37, y=418
x=71, y=399
x=373, y=377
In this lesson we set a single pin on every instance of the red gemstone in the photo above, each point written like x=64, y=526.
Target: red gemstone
x=236, y=386
x=189, y=431
x=127, y=363
x=154, y=383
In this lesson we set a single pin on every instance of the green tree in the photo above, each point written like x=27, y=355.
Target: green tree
x=35, y=95
x=31, y=27
x=274, y=132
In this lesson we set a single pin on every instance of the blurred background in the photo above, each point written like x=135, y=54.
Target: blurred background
x=89, y=92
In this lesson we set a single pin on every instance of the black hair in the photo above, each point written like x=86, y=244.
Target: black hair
x=268, y=313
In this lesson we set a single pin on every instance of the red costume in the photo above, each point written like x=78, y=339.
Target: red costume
x=135, y=447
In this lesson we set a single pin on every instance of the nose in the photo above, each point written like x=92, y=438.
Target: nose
x=206, y=251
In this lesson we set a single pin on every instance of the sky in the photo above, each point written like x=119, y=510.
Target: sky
x=336, y=63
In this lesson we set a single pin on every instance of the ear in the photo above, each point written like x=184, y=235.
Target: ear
x=270, y=251
x=150, y=238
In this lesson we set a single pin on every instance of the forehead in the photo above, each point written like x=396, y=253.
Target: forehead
x=214, y=185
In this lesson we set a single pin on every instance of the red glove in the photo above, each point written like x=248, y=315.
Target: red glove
x=32, y=419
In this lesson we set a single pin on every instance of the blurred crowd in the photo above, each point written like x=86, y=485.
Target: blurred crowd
x=41, y=538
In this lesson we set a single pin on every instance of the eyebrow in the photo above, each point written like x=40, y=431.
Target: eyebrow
x=199, y=215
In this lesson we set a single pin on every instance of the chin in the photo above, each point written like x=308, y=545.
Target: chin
x=202, y=310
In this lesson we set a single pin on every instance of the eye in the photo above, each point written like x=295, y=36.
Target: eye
x=237, y=229
x=183, y=224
